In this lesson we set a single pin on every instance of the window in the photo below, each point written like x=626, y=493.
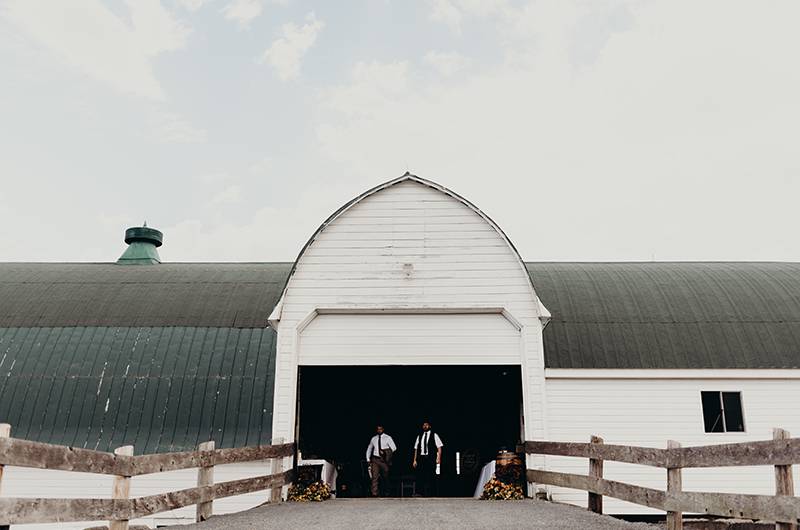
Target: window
x=722, y=411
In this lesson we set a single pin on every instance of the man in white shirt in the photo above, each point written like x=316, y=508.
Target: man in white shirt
x=379, y=455
x=427, y=456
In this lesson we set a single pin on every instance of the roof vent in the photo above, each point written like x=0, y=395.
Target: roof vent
x=142, y=244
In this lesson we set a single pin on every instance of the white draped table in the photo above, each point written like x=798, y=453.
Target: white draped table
x=484, y=477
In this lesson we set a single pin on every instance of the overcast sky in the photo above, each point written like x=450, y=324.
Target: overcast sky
x=591, y=130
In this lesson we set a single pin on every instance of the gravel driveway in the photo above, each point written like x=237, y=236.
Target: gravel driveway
x=418, y=513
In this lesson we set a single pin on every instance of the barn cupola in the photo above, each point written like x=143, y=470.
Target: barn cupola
x=143, y=243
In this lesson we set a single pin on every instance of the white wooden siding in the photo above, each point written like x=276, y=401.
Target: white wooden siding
x=649, y=411
x=25, y=482
x=410, y=339
x=408, y=246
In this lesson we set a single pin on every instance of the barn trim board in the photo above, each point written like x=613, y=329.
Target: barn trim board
x=426, y=338
x=677, y=373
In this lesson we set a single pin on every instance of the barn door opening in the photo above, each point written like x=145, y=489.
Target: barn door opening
x=475, y=410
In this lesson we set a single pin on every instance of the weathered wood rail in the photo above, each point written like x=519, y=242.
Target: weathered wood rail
x=782, y=452
x=123, y=465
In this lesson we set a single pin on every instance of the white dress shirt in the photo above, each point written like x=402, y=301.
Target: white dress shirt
x=386, y=443
x=425, y=439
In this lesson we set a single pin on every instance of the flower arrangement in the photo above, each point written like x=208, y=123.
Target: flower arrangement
x=494, y=490
x=509, y=473
x=314, y=492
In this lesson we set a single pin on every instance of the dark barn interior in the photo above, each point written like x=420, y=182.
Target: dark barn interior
x=476, y=410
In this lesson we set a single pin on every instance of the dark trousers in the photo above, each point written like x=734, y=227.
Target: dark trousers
x=426, y=475
x=379, y=470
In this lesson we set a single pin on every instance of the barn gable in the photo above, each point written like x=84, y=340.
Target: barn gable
x=408, y=273
x=407, y=222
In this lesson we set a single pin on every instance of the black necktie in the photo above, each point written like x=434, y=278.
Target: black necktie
x=425, y=443
x=379, y=444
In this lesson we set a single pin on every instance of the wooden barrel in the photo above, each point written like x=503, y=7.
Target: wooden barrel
x=508, y=467
x=507, y=458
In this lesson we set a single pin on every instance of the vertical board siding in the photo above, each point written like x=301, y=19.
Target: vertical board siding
x=408, y=246
x=649, y=412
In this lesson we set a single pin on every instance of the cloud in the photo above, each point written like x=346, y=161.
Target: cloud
x=216, y=178
x=169, y=127
x=371, y=85
x=243, y=11
x=286, y=53
x=657, y=121
x=453, y=13
x=192, y=5
x=448, y=14
x=92, y=39
x=229, y=195
x=262, y=166
x=446, y=63
x=270, y=234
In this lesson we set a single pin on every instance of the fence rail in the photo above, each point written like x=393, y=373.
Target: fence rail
x=781, y=452
x=766, y=453
x=25, y=453
x=123, y=465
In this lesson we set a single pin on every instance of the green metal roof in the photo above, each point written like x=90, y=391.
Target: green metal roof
x=605, y=315
x=166, y=356
x=160, y=389
x=670, y=315
x=238, y=295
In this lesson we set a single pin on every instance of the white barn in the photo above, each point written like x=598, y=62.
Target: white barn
x=407, y=303
x=410, y=273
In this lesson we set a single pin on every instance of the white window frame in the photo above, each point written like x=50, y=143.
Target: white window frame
x=722, y=411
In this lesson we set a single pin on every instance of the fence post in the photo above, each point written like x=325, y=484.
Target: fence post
x=276, y=494
x=596, y=471
x=205, y=477
x=121, y=488
x=5, y=432
x=674, y=485
x=783, y=479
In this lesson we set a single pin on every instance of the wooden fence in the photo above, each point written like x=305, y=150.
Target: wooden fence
x=123, y=465
x=781, y=452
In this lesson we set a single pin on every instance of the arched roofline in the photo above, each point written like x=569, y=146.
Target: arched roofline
x=275, y=316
